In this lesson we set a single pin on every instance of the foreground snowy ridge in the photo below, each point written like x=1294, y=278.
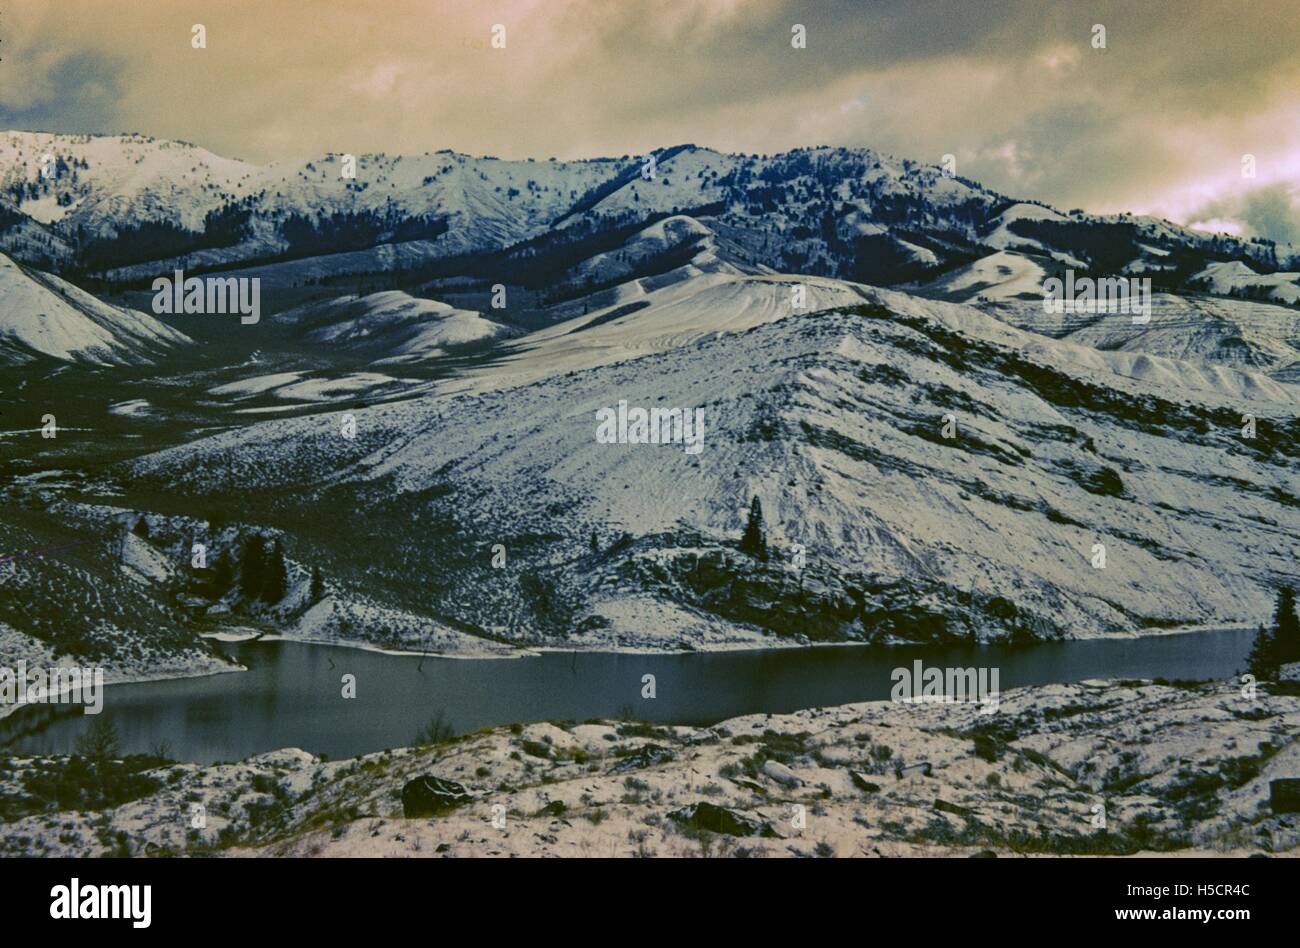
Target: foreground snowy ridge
x=1098, y=768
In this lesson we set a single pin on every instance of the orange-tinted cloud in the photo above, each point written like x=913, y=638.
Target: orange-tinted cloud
x=1157, y=121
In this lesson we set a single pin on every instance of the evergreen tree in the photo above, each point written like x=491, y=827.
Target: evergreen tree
x=252, y=566
x=117, y=543
x=1286, y=628
x=1279, y=645
x=277, y=575
x=595, y=544
x=223, y=575
x=317, y=590
x=141, y=528
x=1262, y=662
x=754, y=542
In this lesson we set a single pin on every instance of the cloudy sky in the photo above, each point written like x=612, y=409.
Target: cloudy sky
x=1157, y=122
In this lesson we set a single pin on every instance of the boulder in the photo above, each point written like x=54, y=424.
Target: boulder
x=720, y=819
x=862, y=783
x=647, y=755
x=1284, y=795
x=943, y=806
x=781, y=774
x=432, y=796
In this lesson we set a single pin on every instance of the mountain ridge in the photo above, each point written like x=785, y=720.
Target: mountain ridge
x=844, y=212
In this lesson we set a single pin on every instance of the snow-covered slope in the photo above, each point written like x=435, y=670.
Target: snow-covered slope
x=99, y=185
x=1234, y=278
x=132, y=206
x=100, y=182
x=40, y=313
x=390, y=327
x=679, y=233
x=998, y=276
x=1212, y=332
x=1002, y=235
x=1207, y=331
x=657, y=314
x=836, y=421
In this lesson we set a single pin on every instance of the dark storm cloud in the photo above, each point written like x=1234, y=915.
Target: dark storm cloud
x=1271, y=211
x=1274, y=212
x=77, y=90
x=1155, y=122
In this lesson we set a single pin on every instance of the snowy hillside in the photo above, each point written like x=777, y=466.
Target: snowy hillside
x=1213, y=332
x=42, y=314
x=999, y=276
x=1180, y=767
x=101, y=181
x=670, y=311
x=834, y=419
x=1003, y=235
x=1234, y=278
x=948, y=459
x=390, y=327
x=129, y=206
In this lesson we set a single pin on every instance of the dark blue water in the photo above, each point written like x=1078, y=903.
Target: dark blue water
x=291, y=694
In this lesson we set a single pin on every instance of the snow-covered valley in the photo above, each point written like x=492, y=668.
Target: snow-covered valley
x=406, y=453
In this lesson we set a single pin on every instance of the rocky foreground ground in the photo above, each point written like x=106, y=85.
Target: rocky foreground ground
x=1107, y=768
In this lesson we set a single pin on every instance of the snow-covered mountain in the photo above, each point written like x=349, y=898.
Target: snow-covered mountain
x=1234, y=278
x=948, y=459
x=132, y=206
x=390, y=327
x=1207, y=330
x=999, y=276
x=41, y=314
x=835, y=419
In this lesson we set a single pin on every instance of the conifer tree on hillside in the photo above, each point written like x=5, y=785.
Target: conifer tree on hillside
x=252, y=566
x=277, y=575
x=1286, y=627
x=1279, y=644
x=1262, y=663
x=317, y=591
x=754, y=542
x=223, y=575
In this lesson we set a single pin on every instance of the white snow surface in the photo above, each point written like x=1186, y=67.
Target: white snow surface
x=393, y=326
x=1234, y=278
x=1001, y=275
x=42, y=312
x=1004, y=509
x=675, y=310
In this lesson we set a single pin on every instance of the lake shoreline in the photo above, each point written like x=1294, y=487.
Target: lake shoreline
x=146, y=677
x=776, y=646
x=711, y=649
x=291, y=693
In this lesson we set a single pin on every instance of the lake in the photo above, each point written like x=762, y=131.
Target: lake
x=291, y=695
